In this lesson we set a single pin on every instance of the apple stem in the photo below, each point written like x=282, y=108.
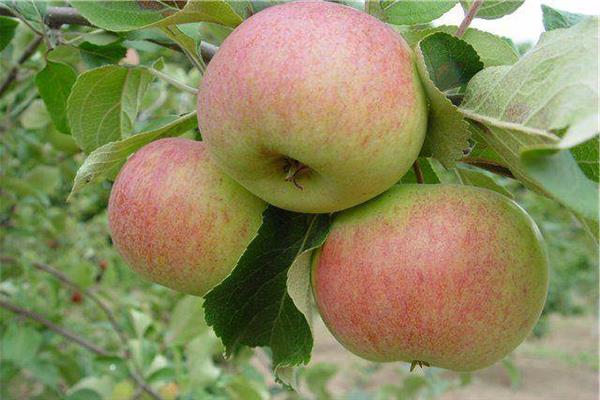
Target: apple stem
x=469, y=15
x=294, y=169
x=418, y=172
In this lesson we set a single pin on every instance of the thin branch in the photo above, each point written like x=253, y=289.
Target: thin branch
x=174, y=82
x=55, y=328
x=172, y=46
x=134, y=371
x=12, y=74
x=87, y=293
x=418, y=172
x=207, y=50
x=55, y=16
x=489, y=165
x=469, y=15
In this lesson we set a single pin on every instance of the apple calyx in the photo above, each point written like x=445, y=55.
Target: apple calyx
x=418, y=363
x=294, y=169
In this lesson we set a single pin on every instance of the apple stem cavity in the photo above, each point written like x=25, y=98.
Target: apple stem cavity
x=294, y=169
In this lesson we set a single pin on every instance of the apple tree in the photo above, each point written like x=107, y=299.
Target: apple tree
x=343, y=152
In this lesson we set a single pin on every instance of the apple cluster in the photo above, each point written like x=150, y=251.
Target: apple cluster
x=316, y=107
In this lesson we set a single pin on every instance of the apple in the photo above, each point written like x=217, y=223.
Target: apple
x=444, y=275
x=177, y=220
x=313, y=106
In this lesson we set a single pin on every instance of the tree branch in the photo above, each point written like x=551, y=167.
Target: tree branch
x=57, y=16
x=134, y=371
x=12, y=74
x=55, y=328
x=469, y=15
x=87, y=293
x=174, y=82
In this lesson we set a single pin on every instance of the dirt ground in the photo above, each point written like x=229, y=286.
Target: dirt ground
x=563, y=365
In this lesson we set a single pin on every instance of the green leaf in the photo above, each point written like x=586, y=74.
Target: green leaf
x=20, y=344
x=32, y=10
x=410, y=12
x=243, y=8
x=218, y=12
x=187, y=321
x=492, y=50
x=7, y=31
x=199, y=351
x=591, y=227
x=102, y=38
x=36, y=116
x=494, y=9
x=119, y=16
x=61, y=141
x=242, y=388
x=317, y=377
x=552, y=88
x=412, y=385
x=513, y=371
x=187, y=44
x=479, y=178
x=252, y=306
x=445, y=64
x=580, y=132
x=106, y=161
x=103, y=104
x=65, y=54
x=586, y=156
x=45, y=372
x=451, y=62
x=84, y=394
x=96, y=56
x=298, y=285
x=300, y=291
x=44, y=178
x=546, y=175
x=552, y=172
x=91, y=386
x=122, y=390
x=54, y=84
x=557, y=19
x=141, y=322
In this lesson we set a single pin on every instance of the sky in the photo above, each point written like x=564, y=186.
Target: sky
x=525, y=24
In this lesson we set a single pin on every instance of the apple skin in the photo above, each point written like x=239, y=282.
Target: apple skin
x=455, y=276
x=177, y=220
x=317, y=83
